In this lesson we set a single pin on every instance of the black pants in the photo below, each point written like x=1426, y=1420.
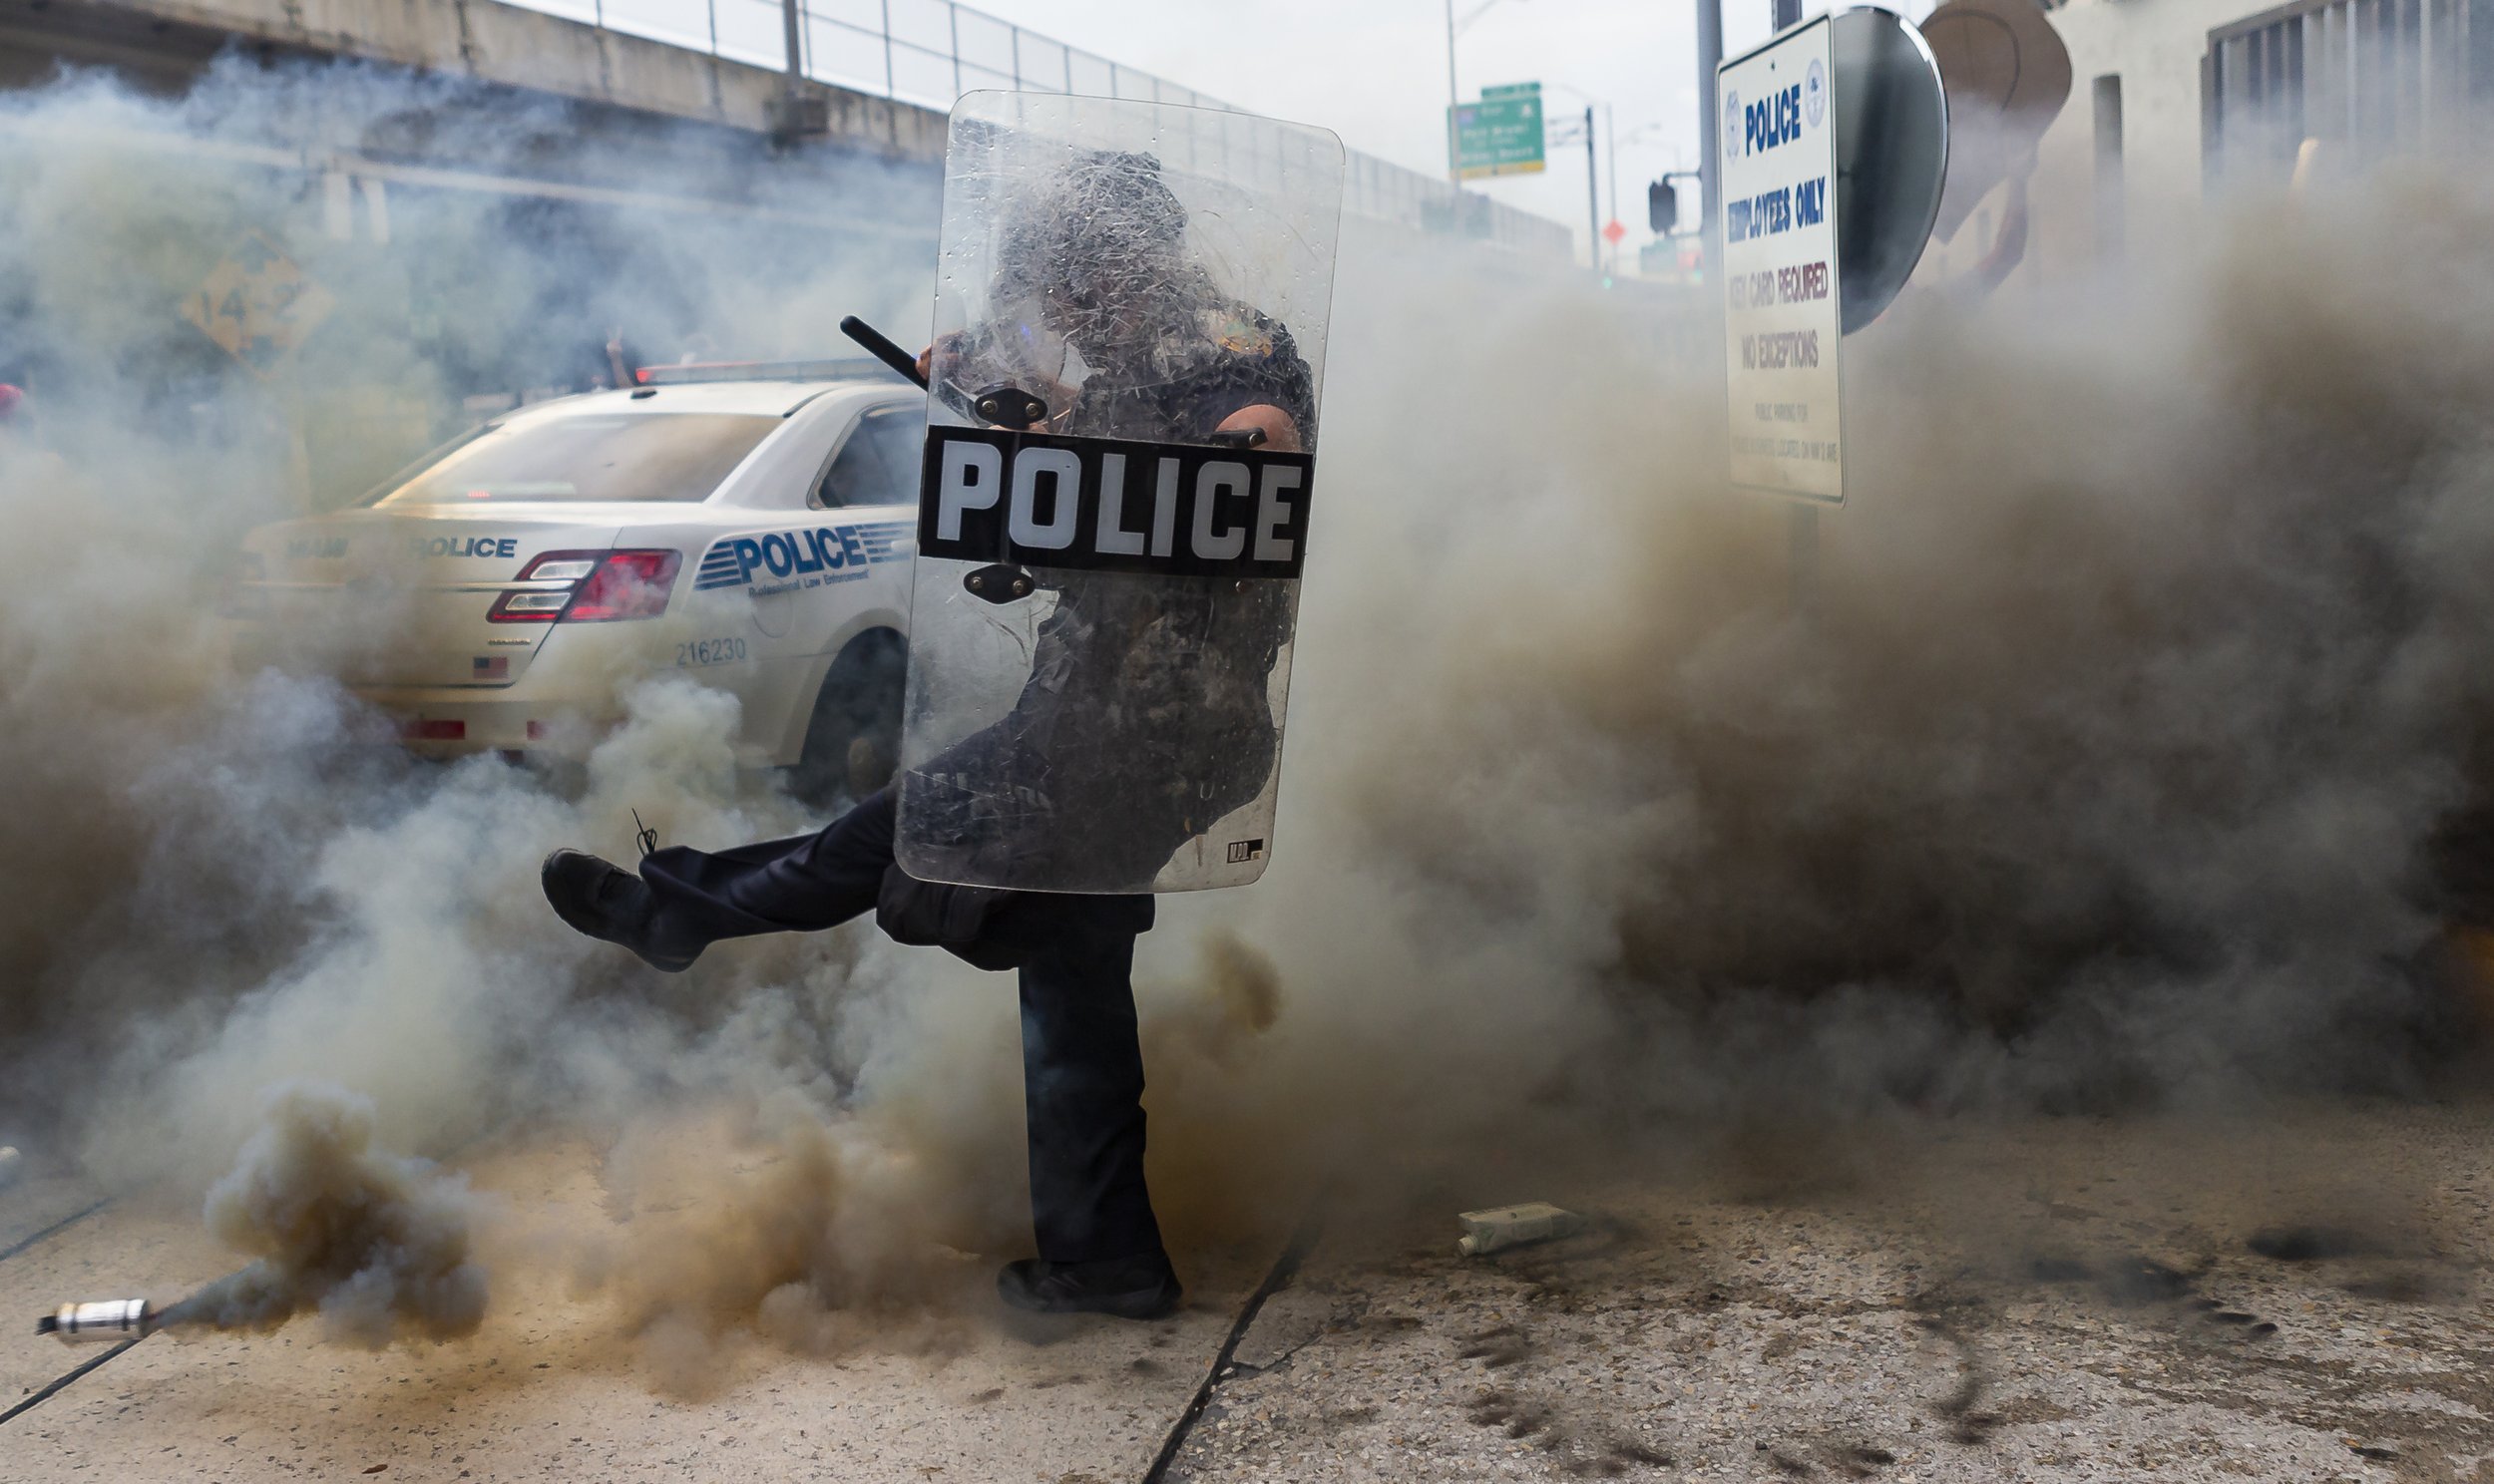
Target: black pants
x=1082, y=1066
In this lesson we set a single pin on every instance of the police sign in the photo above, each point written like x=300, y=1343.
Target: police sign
x=1783, y=322
x=1177, y=509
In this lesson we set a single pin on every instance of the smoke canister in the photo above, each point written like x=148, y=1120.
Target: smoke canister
x=1486, y=1231
x=96, y=1323
x=12, y=1165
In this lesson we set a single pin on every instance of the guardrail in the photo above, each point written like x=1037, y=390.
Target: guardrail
x=930, y=52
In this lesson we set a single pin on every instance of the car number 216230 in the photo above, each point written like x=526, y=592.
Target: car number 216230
x=709, y=651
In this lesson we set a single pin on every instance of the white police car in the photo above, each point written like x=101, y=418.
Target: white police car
x=747, y=526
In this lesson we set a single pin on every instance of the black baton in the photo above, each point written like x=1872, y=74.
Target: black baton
x=882, y=349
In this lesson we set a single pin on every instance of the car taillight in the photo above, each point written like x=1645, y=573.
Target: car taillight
x=628, y=585
x=605, y=586
x=529, y=608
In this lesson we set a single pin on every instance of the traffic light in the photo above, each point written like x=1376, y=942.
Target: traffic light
x=1662, y=208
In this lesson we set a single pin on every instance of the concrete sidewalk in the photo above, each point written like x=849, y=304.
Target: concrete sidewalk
x=2074, y=1299
x=2070, y=1301
x=550, y=1389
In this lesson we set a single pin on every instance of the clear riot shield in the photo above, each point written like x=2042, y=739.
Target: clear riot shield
x=1129, y=338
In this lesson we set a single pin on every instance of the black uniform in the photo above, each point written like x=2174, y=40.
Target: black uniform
x=1082, y=1066
x=1087, y=697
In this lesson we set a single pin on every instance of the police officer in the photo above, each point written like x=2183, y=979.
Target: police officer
x=1096, y=259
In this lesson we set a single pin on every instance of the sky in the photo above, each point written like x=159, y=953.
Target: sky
x=1375, y=72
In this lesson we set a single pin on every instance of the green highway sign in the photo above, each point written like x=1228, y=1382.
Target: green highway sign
x=1500, y=135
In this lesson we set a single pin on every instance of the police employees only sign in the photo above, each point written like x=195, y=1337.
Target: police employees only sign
x=1782, y=311
x=1112, y=504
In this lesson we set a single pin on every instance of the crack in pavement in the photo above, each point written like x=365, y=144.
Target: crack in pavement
x=64, y=1223
x=1285, y=1268
x=59, y=1383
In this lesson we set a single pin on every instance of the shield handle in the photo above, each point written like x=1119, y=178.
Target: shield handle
x=1009, y=407
x=1000, y=583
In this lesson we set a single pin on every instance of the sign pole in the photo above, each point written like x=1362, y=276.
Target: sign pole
x=1803, y=545
x=1804, y=552
x=1594, y=202
x=792, y=34
x=1610, y=146
x=1454, y=100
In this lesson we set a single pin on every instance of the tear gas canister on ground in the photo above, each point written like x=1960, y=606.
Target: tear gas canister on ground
x=101, y=1322
x=1499, y=1227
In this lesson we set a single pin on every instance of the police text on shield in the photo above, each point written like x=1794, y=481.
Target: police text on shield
x=1114, y=504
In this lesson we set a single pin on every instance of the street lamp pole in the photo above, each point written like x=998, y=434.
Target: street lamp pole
x=1710, y=147
x=1454, y=28
x=1593, y=175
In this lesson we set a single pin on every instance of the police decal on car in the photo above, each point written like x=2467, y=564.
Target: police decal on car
x=787, y=560
x=461, y=546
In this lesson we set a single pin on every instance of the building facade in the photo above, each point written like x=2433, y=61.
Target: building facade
x=2174, y=102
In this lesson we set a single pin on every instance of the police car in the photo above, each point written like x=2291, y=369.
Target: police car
x=747, y=526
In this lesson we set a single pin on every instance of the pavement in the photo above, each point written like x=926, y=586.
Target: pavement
x=2298, y=1295
x=557, y=1385
x=2292, y=1298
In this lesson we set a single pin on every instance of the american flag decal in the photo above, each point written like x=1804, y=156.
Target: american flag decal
x=490, y=668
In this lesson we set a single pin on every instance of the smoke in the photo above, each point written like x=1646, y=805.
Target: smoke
x=156, y=797
x=2123, y=754
x=2125, y=751
x=226, y=887
x=2105, y=762
x=377, y=1243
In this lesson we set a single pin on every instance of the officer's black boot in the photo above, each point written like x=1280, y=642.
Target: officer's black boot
x=1143, y=1288
x=1082, y=1099
x=605, y=902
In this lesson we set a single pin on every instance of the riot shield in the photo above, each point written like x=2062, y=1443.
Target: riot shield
x=1130, y=339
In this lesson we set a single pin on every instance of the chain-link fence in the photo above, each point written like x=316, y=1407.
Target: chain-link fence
x=930, y=52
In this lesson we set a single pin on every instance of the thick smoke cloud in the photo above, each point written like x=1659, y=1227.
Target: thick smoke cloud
x=228, y=884
x=221, y=860
x=377, y=1243
x=2143, y=676
x=2111, y=765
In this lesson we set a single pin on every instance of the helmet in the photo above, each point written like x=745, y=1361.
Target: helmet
x=1100, y=228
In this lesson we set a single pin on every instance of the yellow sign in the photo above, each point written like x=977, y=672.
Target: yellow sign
x=258, y=305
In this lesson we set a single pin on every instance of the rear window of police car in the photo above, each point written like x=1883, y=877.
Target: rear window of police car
x=643, y=455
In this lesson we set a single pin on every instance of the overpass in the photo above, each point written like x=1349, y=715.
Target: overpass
x=166, y=45
x=496, y=202
x=693, y=87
